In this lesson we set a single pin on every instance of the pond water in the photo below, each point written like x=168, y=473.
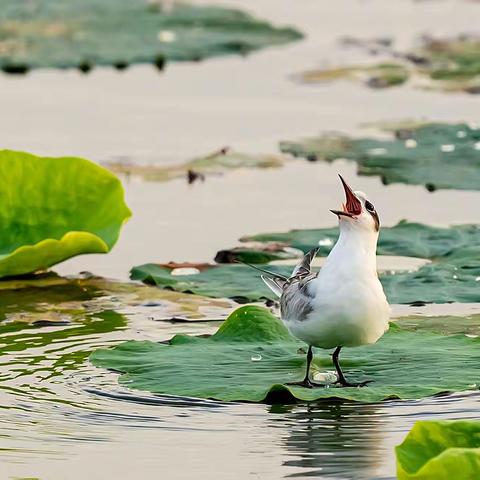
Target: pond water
x=62, y=418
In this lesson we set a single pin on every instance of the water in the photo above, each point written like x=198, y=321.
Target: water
x=62, y=418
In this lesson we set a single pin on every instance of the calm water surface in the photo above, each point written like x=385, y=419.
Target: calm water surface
x=62, y=418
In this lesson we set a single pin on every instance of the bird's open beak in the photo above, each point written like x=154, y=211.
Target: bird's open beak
x=352, y=206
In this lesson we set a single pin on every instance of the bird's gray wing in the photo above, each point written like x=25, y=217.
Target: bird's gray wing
x=296, y=301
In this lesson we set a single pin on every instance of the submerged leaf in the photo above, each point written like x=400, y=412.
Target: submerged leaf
x=382, y=75
x=450, y=64
x=216, y=163
x=438, y=156
x=252, y=357
x=50, y=298
x=54, y=209
x=440, y=450
x=54, y=33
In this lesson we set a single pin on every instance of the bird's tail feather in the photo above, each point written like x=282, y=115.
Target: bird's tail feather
x=275, y=284
x=274, y=281
x=304, y=267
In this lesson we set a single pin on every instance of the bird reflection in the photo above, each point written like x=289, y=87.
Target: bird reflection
x=331, y=440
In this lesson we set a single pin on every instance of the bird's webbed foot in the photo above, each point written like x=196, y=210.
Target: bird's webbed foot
x=306, y=383
x=345, y=383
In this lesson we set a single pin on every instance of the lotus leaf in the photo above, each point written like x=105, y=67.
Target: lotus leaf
x=439, y=156
x=54, y=209
x=408, y=239
x=440, y=450
x=54, y=33
x=237, y=282
x=453, y=274
x=252, y=357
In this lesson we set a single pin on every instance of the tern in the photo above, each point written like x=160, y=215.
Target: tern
x=343, y=305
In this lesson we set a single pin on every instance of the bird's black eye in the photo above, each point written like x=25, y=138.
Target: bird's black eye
x=369, y=206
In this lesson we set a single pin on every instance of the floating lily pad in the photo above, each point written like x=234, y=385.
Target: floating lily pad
x=54, y=33
x=237, y=282
x=436, y=155
x=54, y=209
x=453, y=275
x=440, y=450
x=409, y=239
x=216, y=163
x=252, y=357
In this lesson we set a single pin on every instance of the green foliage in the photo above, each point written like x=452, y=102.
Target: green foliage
x=440, y=450
x=252, y=357
x=439, y=156
x=55, y=208
x=82, y=34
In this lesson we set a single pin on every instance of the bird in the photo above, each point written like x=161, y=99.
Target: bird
x=342, y=305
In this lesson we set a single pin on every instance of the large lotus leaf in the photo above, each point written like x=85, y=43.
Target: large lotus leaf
x=444, y=325
x=453, y=274
x=216, y=163
x=55, y=208
x=55, y=33
x=252, y=357
x=438, y=156
x=440, y=450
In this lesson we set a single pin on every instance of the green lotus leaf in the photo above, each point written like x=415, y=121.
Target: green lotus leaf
x=55, y=208
x=452, y=276
x=238, y=282
x=54, y=33
x=440, y=450
x=439, y=156
x=252, y=357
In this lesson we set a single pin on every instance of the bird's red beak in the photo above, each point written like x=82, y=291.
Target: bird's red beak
x=352, y=206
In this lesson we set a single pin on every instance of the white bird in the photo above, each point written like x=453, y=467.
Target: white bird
x=344, y=304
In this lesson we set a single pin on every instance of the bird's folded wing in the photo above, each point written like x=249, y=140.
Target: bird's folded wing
x=296, y=301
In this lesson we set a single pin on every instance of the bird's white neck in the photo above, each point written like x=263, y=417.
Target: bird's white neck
x=355, y=251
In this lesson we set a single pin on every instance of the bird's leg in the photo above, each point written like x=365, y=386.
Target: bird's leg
x=341, y=377
x=306, y=382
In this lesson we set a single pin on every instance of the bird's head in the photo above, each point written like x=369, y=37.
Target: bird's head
x=357, y=212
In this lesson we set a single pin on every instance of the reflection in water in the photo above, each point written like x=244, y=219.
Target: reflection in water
x=346, y=440
x=332, y=439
